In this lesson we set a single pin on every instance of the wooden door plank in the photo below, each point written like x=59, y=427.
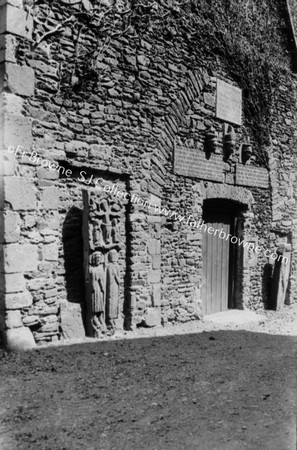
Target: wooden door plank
x=225, y=268
x=214, y=269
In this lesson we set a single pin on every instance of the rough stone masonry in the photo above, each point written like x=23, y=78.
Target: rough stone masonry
x=91, y=93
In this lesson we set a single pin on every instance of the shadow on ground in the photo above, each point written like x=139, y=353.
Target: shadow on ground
x=220, y=390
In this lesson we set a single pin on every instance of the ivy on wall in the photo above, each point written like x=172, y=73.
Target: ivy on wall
x=248, y=37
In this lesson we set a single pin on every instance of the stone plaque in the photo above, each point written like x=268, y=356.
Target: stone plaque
x=191, y=162
x=229, y=103
x=251, y=176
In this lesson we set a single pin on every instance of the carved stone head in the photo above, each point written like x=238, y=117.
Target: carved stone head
x=96, y=259
x=113, y=256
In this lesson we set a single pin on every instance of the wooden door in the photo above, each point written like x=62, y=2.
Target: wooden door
x=217, y=253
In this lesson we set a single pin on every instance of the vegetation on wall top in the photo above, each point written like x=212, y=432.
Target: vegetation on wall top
x=250, y=38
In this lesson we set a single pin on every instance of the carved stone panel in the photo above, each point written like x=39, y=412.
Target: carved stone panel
x=104, y=260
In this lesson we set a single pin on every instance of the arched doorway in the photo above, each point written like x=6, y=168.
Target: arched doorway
x=220, y=256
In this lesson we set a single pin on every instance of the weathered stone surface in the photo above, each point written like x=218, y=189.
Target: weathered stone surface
x=156, y=295
x=16, y=3
x=15, y=21
x=77, y=148
x=17, y=79
x=46, y=174
x=7, y=163
x=12, y=282
x=154, y=247
x=19, y=193
x=71, y=321
x=49, y=198
x=16, y=300
x=50, y=252
x=13, y=319
x=7, y=48
x=209, y=100
x=9, y=227
x=19, y=339
x=19, y=258
x=156, y=261
x=29, y=321
x=154, y=276
x=153, y=317
x=11, y=104
x=17, y=131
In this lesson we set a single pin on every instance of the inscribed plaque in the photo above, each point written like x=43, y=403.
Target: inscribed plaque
x=229, y=103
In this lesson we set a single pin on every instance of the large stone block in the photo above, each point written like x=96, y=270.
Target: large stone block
x=16, y=300
x=49, y=198
x=156, y=299
x=17, y=3
x=12, y=282
x=15, y=21
x=153, y=317
x=17, y=79
x=50, y=252
x=13, y=319
x=9, y=227
x=19, y=258
x=154, y=276
x=19, y=339
x=77, y=148
x=47, y=174
x=71, y=321
x=17, y=131
x=154, y=246
x=156, y=261
x=7, y=163
x=19, y=192
x=7, y=48
x=11, y=104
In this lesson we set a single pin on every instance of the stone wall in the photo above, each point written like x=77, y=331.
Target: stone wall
x=87, y=97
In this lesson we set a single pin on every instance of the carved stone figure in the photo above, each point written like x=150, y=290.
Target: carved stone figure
x=115, y=235
x=112, y=290
x=281, y=273
x=106, y=222
x=102, y=242
x=97, y=284
x=97, y=233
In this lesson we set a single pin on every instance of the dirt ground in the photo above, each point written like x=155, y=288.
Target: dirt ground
x=213, y=389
